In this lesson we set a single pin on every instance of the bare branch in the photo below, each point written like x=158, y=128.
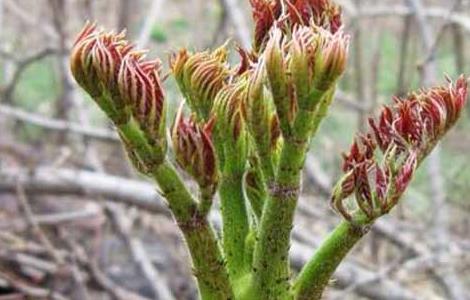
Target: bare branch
x=139, y=254
x=58, y=125
x=42, y=237
x=83, y=183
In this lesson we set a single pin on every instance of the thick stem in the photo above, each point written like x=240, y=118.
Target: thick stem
x=206, y=197
x=235, y=224
x=207, y=259
x=209, y=269
x=271, y=264
x=315, y=276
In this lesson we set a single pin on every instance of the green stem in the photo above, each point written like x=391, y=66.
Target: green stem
x=271, y=264
x=256, y=187
x=206, y=197
x=235, y=224
x=315, y=276
x=207, y=259
x=209, y=269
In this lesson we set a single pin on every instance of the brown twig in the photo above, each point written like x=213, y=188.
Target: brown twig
x=30, y=219
x=123, y=226
x=97, y=275
x=58, y=125
x=24, y=287
x=431, y=52
x=8, y=89
x=137, y=192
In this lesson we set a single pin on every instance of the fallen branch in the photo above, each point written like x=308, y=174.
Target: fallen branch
x=82, y=183
x=58, y=125
x=144, y=196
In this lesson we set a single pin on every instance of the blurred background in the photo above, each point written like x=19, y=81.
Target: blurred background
x=76, y=222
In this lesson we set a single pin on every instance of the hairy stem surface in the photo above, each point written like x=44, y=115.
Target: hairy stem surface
x=235, y=224
x=208, y=262
x=271, y=263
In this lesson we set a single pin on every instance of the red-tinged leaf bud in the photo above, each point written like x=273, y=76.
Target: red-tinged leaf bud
x=265, y=13
x=229, y=108
x=141, y=89
x=282, y=89
x=269, y=13
x=342, y=190
x=420, y=120
x=405, y=174
x=127, y=88
x=262, y=120
x=314, y=59
x=194, y=150
x=200, y=76
x=322, y=13
x=81, y=60
x=331, y=62
x=95, y=62
x=406, y=133
x=381, y=182
x=276, y=61
x=231, y=135
x=259, y=110
x=303, y=53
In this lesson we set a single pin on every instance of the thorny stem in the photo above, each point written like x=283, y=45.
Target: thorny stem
x=271, y=264
x=205, y=252
x=207, y=258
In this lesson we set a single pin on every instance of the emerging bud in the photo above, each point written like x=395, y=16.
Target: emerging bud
x=303, y=53
x=229, y=107
x=126, y=87
x=142, y=90
x=262, y=120
x=200, y=77
x=194, y=150
x=265, y=13
x=95, y=62
x=302, y=69
x=260, y=115
x=420, y=121
x=405, y=133
x=332, y=59
x=269, y=13
x=231, y=135
x=322, y=13
x=317, y=59
x=282, y=90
